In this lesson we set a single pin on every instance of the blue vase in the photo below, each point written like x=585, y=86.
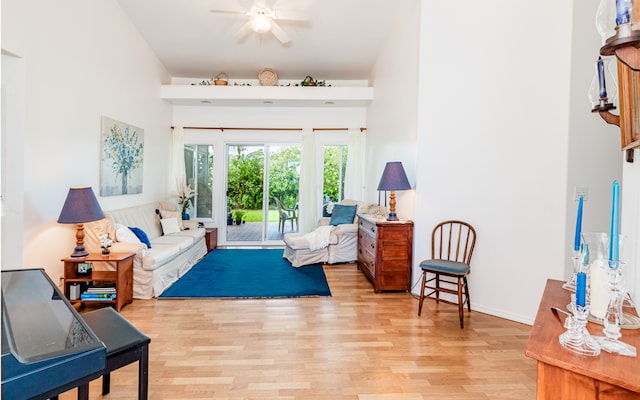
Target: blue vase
x=185, y=216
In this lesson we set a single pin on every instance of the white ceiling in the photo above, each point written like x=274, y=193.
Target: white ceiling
x=339, y=40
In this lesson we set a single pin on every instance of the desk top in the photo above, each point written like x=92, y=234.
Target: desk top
x=544, y=346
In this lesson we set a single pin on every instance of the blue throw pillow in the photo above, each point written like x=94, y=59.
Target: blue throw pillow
x=141, y=235
x=343, y=214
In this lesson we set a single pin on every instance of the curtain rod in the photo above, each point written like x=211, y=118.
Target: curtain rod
x=222, y=129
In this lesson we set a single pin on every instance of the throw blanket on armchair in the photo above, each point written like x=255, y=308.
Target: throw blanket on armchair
x=319, y=238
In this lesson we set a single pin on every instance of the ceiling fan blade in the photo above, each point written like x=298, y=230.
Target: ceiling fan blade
x=261, y=3
x=289, y=15
x=243, y=32
x=228, y=12
x=279, y=33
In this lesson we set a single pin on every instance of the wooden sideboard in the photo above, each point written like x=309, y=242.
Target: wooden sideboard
x=385, y=252
x=563, y=374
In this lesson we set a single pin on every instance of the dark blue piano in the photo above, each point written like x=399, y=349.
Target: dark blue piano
x=47, y=348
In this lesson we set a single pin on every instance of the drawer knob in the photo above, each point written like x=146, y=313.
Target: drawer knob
x=372, y=229
x=373, y=246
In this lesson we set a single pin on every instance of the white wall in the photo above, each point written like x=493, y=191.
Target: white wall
x=392, y=115
x=595, y=158
x=82, y=60
x=492, y=139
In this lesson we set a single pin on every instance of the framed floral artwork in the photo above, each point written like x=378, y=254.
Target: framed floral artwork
x=122, y=156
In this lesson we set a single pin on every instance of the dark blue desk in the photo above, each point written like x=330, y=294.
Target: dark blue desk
x=47, y=348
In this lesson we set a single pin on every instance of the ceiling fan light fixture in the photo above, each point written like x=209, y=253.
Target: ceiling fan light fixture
x=260, y=23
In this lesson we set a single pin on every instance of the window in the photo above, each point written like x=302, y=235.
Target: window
x=335, y=164
x=198, y=161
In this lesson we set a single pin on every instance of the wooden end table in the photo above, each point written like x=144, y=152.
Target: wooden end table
x=122, y=277
x=211, y=238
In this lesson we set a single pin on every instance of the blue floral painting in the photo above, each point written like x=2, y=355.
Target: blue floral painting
x=122, y=151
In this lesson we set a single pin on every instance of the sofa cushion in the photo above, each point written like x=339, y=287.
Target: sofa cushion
x=343, y=214
x=169, y=225
x=125, y=235
x=166, y=214
x=141, y=235
x=181, y=242
x=159, y=255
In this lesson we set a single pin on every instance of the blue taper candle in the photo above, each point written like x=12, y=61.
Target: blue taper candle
x=581, y=289
x=614, y=232
x=576, y=240
x=601, y=82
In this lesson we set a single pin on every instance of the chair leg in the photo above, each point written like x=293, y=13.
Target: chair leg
x=460, y=303
x=424, y=282
x=437, y=288
x=466, y=292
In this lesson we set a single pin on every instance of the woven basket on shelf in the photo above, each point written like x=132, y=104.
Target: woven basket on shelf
x=221, y=79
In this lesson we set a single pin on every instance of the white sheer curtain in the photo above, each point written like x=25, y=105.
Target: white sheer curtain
x=308, y=191
x=177, y=174
x=354, y=176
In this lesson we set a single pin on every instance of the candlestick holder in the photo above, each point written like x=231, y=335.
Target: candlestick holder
x=577, y=338
x=613, y=317
x=570, y=285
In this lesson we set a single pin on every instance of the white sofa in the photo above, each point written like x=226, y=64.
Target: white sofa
x=155, y=268
x=342, y=245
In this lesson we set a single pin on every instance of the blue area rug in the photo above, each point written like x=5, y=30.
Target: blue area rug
x=248, y=273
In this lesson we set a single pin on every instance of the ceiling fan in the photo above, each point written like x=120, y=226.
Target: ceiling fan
x=262, y=19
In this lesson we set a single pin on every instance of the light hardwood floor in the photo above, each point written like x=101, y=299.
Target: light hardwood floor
x=353, y=345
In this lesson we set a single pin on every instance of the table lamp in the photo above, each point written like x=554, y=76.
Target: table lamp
x=393, y=178
x=80, y=206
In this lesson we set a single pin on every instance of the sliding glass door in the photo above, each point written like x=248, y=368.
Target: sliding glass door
x=261, y=206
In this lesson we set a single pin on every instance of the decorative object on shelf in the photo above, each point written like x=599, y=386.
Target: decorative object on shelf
x=598, y=89
x=84, y=269
x=221, y=79
x=613, y=316
x=206, y=82
x=393, y=178
x=79, y=207
x=309, y=81
x=105, y=244
x=185, y=198
x=623, y=41
x=627, y=30
x=575, y=255
x=577, y=337
x=267, y=77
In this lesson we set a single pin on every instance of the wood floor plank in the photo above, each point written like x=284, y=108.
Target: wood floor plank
x=353, y=345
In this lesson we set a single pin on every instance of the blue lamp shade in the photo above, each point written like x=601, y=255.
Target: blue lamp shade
x=393, y=178
x=80, y=206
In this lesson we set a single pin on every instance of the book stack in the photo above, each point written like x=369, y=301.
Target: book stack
x=99, y=294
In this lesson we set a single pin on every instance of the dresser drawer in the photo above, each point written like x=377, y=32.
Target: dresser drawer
x=366, y=241
x=368, y=226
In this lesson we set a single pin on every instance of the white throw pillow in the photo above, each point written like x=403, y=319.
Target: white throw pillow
x=172, y=214
x=170, y=225
x=124, y=235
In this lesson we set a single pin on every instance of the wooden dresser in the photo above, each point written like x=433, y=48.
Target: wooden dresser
x=563, y=374
x=385, y=252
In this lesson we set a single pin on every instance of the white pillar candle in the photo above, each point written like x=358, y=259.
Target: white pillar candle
x=599, y=288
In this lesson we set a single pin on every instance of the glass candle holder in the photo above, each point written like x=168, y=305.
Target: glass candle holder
x=613, y=316
x=577, y=337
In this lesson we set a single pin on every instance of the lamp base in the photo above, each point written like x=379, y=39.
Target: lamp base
x=79, y=252
x=393, y=217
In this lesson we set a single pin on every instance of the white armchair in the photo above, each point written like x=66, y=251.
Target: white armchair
x=342, y=244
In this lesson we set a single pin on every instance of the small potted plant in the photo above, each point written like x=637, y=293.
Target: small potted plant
x=238, y=216
x=105, y=244
x=185, y=198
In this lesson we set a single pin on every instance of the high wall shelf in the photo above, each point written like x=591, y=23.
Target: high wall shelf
x=261, y=96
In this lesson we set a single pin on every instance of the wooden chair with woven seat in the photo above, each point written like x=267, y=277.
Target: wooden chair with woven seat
x=452, y=244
